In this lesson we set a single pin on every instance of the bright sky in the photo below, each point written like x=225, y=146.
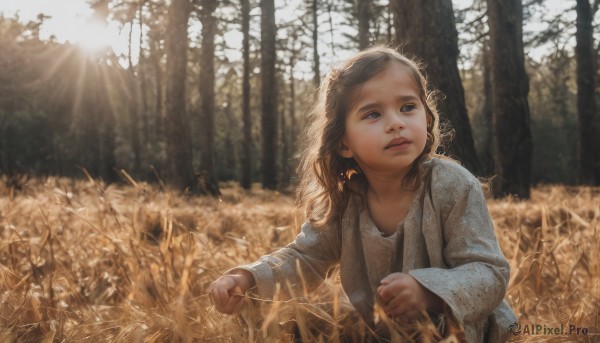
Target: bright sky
x=70, y=22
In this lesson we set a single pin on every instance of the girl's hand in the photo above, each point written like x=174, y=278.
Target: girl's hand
x=227, y=292
x=403, y=297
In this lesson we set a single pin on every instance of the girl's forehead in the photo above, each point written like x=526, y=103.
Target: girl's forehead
x=395, y=78
x=394, y=70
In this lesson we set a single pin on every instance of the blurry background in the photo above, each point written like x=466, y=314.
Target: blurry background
x=102, y=100
x=157, y=88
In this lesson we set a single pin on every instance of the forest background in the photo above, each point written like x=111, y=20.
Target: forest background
x=187, y=104
x=212, y=97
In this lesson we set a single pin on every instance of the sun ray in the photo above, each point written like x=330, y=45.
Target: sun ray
x=56, y=63
x=80, y=86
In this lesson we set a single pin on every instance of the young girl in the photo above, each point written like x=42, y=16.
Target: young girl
x=409, y=229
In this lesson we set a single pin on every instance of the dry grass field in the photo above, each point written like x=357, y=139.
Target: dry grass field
x=85, y=262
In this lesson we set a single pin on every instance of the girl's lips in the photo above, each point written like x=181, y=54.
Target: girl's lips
x=398, y=143
x=399, y=146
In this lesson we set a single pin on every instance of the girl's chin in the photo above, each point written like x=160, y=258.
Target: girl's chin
x=395, y=168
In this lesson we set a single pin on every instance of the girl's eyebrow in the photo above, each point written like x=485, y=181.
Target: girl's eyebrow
x=404, y=98
x=372, y=105
x=366, y=107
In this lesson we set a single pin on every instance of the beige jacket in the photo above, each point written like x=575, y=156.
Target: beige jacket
x=447, y=242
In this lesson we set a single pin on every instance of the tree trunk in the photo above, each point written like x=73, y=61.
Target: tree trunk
x=179, y=148
x=107, y=138
x=247, y=119
x=486, y=113
x=588, y=155
x=132, y=102
x=364, y=16
x=315, y=39
x=290, y=136
x=293, y=129
x=143, y=81
x=390, y=21
x=510, y=86
x=433, y=19
x=231, y=139
x=207, y=90
x=269, y=95
x=331, y=30
x=89, y=153
x=4, y=164
x=159, y=93
x=155, y=36
x=101, y=121
x=284, y=143
x=99, y=100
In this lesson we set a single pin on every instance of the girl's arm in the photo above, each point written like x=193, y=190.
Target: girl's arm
x=476, y=281
x=314, y=251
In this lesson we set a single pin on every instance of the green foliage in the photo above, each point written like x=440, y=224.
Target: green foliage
x=552, y=100
x=29, y=143
x=55, y=114
x=55, y=119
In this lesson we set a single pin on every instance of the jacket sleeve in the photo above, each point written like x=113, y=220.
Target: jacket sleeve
x=477, y=276
x=314, y=251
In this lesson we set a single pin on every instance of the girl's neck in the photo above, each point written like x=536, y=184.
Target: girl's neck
x=386, y=188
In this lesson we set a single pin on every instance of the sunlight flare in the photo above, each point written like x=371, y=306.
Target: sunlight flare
x=92, y=37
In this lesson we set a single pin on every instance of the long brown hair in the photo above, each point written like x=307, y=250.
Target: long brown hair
x=324, y=187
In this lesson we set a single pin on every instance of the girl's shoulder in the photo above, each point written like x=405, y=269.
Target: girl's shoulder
x=448, y=174
x=450, y=183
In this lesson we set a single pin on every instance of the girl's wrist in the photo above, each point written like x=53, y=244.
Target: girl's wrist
x=245, y=279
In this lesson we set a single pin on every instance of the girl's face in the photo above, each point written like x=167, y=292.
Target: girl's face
x=386, y=122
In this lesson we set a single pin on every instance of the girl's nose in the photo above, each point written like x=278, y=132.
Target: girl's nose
x=394, y=123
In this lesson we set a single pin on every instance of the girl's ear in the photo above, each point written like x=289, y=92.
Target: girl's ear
x=344, y=151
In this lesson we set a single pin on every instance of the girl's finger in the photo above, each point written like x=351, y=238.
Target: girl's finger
x=222, y=297
x=220, y=289
x=388, y=291
x=399, y=303
x=404, y=314
x=402, y=319
x=389, y=278
x=233, y=304
x=235, y=291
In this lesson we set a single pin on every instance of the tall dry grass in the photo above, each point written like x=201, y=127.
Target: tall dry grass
x=84, y=262
x=553, y=245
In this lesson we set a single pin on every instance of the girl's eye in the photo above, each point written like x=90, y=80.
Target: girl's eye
x=407, y=108
x=372, y=115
